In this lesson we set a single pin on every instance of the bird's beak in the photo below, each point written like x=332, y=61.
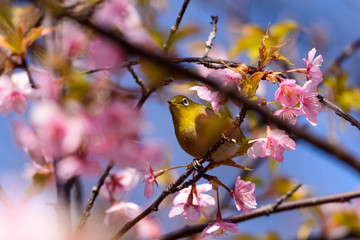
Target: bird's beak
x=171, y=103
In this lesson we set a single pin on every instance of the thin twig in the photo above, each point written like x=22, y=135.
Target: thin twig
x=138, y=80
x=25, y=66
x=175, y=27
x=93, y=196
x=339, y=111
x=347, y=52
x=145, y=92
x=267, y=210
x=212, y=35
x=283, y=198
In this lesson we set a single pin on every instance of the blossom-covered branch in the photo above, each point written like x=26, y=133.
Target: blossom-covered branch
x=268, y=210
x=215, y=63
x=336, y=150
x=174, y=187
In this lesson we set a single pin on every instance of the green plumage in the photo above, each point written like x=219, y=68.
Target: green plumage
x=198, y=128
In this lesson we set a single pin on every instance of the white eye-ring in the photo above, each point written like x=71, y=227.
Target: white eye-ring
x=185, y=102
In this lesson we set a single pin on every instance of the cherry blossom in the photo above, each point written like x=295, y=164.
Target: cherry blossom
x=58, y=133
x=117, y=183
x=289, y=114
x=73, y=39
x=114, y=133
x=312, y=67
x=244, y=195
x=288, y=93
x=192, y=210
x=123, y=15
x=29, y=220
x=25, y=137
x=15, y=92
x=227, y=78
x=272, y=146
x=74, y=166
x=104, y=54
x=148, y=228
x=219, y=228
x=149, y=178
x=309, y=103
x=49, y=84
x=121, y=212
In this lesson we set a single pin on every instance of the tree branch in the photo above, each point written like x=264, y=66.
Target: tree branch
x=212, y=35
x=93, y=196
x=175, y=27
x=338, y=151
x=268, y=210
x=339, y=111
x=174, y=187
x=345, y=54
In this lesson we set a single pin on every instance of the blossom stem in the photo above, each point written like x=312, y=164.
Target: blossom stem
x=298, y=70
x=268, y=103
x=218, y=213
x=172, y=168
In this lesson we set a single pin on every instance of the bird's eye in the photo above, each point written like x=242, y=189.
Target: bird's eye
x=185, y=102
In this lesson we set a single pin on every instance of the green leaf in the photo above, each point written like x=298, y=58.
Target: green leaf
x=34, y=34
x=348, y=219
x=251, y=37
x=350, y=99
x=281, y=30
x=186, y=31
x=248, y=42
x=38, y=183
x=305, y=229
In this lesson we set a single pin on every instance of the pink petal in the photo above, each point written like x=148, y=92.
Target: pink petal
x=177, y=210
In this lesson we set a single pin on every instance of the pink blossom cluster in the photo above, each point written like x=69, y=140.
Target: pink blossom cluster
x=219, y=228
x=273, y=145
x=89, y=53
x=298, y=101
x=15, y=93
x=79, y=139
x=122, y=212
x=245, y=200
x=226, y=78
x=190, y=202
x=123, y=15
x=295, y=101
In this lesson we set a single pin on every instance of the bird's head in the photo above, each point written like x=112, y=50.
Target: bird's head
x=182, y=107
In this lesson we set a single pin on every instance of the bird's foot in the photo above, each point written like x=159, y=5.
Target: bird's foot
x=197, y=165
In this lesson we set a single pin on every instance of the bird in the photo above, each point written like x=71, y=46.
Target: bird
x=197, y=128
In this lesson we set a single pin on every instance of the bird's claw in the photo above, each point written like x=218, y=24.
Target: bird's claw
x=198, y=167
